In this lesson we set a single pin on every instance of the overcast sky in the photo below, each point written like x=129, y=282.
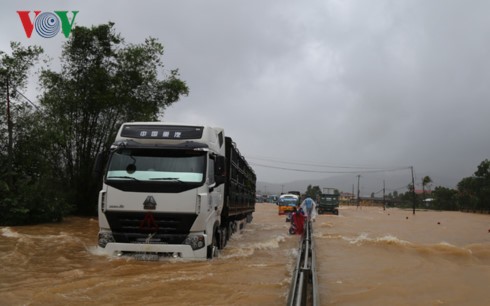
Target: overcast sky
x=369, y=84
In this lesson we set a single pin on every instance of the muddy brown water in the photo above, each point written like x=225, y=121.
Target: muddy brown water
x=365, y=257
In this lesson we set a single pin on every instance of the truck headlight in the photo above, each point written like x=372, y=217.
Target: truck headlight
x=195, y=241
x=105, y=238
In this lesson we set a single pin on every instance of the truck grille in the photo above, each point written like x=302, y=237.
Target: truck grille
x=149, y=227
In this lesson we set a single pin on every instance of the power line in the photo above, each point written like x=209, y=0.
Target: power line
x=399, y=188
x=312, y=164
x=328, y=171
x=22, y=95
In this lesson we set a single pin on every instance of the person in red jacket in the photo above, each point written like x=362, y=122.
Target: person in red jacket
x=297, y=222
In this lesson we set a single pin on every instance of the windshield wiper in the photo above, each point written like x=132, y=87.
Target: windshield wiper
x=126, y=177
x=173, y=179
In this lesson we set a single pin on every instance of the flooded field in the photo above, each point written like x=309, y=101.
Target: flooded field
x=366, y=257
x=373, y=257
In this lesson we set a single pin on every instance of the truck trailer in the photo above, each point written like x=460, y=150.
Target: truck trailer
x=172, y=190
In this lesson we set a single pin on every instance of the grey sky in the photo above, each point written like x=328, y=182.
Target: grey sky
x=382, y=84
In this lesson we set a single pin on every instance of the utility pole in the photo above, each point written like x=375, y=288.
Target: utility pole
x=413, y=190
x=352, y=197
x=384, y=198
x=358, y=180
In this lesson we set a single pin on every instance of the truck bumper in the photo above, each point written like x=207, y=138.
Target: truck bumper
x=176, y=250
x=330, y=210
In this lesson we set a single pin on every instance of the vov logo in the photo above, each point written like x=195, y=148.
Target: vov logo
x=47, y=24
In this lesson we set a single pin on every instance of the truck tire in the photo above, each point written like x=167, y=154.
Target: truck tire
x=229, y=230
x=212, y=250
x=222, y=238
x=249, y=218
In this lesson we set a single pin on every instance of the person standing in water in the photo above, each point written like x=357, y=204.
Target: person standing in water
x=309, y=208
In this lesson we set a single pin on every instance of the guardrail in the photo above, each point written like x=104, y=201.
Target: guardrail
x=304, y=284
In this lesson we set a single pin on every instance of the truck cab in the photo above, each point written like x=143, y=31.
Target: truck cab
x=165, y=191
x=329, y=201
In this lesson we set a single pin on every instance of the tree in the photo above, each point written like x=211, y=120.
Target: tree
x=483, y=170
x=474, y=191
x=425, y=181
x=467, y=196
x=445, y=198
x=16, y=66
x=103, y=82
x=37, y=195
x=14, y=70
x=482, y=176
x=313, y=192
x=26, y=179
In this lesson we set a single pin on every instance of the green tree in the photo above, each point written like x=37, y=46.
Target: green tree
x=467, y=196
x=15, y=67
x=482, y=175
x=474, y=191
x=445, y=198
x=26, y=179
x=14, y=75
x=38, y=196
x=425, y=181
x=314, y=192
x=483, y=170
x=103, y=82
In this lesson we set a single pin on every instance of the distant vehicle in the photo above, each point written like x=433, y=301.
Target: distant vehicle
x=329, y=201
x=272, y=198
x=286, y=203
x=295, y=192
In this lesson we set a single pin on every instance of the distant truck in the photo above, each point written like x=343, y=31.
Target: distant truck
x=329, y=201
x=173, y=190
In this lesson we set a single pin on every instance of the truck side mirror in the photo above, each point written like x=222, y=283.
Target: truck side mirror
x=219, y=170
x=99, y=164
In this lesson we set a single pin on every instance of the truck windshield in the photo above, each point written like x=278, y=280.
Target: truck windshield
x=288, y=201
x=157, y=165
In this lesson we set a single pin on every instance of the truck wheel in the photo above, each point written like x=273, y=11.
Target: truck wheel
x=222, y=237
x=229, y=230
x=213, y=248
x=249, y=218
x=234, y=227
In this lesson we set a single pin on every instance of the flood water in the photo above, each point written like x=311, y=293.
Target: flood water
x=365, y=257
x=373, y=257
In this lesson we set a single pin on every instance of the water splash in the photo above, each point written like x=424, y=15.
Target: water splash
x=9, y=233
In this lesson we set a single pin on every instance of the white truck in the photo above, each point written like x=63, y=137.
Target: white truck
x=173, y=190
